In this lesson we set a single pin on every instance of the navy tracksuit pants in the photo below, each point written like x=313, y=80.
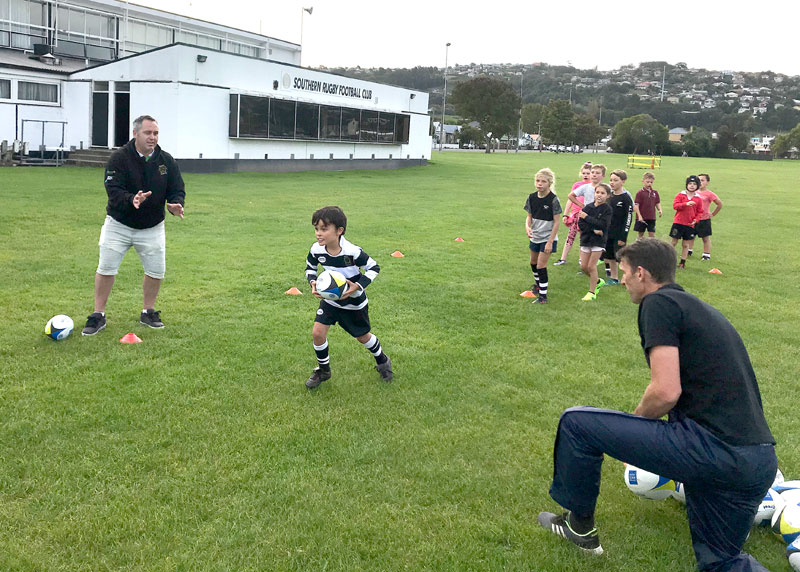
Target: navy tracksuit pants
x=724, y=484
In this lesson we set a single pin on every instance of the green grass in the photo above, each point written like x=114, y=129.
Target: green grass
x=200, y=449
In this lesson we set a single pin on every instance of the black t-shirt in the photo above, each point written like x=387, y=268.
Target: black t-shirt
x=719, y=387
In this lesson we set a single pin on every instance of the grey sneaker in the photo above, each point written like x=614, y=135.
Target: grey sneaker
x=559, y=524
x=385, y=369
x=151, y=319
x=318, y=377
x=94, y=323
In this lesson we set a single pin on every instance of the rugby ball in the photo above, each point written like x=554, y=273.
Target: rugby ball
x=331, y=284
x=778, y=478
x=793, y=554
x=679, y=494
x=648, y=485
x=766, y=509
x=786, y=519
x=785, y=486
x=59, y=327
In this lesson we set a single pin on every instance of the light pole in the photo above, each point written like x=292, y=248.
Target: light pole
x=444, y=97
x=519, y=126
x=303, y=13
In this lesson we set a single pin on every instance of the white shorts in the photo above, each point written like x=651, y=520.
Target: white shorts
x=592, y=248
x=116, y=239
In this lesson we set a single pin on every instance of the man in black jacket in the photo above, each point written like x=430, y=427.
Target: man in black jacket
x=140, y=179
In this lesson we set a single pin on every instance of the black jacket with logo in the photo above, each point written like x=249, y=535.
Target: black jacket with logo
x=128, y=173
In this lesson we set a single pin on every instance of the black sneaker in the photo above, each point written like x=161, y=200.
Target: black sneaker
x=385, y=369
x=559, y=524
x=318, y=377
x=94, y=323
x=151, y=319
x=540, y=300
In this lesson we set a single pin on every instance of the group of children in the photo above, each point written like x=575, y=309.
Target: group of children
x=602, y=214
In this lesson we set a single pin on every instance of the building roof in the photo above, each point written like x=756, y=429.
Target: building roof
x=678, y=131
x=21, y=60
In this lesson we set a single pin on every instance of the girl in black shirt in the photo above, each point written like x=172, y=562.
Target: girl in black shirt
x=595, y=219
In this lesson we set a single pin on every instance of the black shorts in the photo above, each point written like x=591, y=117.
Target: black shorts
x=354, y=322
x=648, y=225
x=681, y=231
x=703, y=228
x=611, y=249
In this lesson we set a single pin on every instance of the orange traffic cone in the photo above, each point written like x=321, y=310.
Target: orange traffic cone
x=715, y=271
x=293, y=291
x=528, y=294
x=459, y=239
x=398, y=254
x=130, y=338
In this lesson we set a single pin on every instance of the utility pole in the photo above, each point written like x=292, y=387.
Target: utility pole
x=444, y=97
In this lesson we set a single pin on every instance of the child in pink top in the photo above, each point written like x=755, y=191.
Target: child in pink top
x=571, y=218
x=703, y=226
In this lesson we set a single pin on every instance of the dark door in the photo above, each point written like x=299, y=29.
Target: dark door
x=122, y=118
x=100, y=119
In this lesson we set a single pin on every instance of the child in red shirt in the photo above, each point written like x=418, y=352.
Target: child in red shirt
x=688, y=209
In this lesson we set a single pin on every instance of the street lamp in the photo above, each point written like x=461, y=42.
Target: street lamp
x=444, y=97
x=303, y=13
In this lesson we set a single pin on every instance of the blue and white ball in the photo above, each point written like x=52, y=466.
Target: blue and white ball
x=785, y=486
x=59, y=327
x=786, y=520
x=648, y=485
x=766, y=509
x=331, y=284
x=793, y=554
x=779, y=478
x=679, y=494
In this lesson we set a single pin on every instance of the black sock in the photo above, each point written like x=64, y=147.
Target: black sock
x=581, y=523
x=535, y=275
x=374, y=347
x=683, y=261
x=608, y=270
x=543, y=282
x=323, y=358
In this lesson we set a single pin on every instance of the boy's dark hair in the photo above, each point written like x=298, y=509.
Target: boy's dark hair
x=652, y=254
x=620, y=173
x=649, y=175
x=693, y=179
x=708, y=177
x=330, y=215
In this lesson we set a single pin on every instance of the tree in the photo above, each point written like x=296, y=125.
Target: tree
x=639, y=134
x=469, y=134
x=698, y=143
x=784, y=142
x=532, y=115
x=587, y=130
x=491, y=102
x=558, y=124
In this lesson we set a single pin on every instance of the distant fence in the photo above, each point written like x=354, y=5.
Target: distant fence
x=644, y=162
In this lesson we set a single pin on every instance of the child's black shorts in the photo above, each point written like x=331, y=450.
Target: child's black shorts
x=648, y=225
x=611, y=249
x=354, y=322
x=703, y=227
x=682, y=231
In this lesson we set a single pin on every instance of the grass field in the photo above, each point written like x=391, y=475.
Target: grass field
x=200, y=449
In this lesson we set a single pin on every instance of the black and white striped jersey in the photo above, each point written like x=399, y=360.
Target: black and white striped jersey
x=349, y=262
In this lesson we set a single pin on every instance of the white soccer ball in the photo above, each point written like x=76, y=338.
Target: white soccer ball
x=59, y=327
x=778, y=478
x=793, y=554
x=648, y=485
x=679, y=494
x=785, y=486
x=331, y=284
x=766, y=509
x=786, y=519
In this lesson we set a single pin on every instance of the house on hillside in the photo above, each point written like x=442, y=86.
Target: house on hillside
x=677, y=134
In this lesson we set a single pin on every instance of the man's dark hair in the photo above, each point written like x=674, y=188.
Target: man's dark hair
x=137, y=123
x=330, y=215
x=652, y=254
x=708, y=177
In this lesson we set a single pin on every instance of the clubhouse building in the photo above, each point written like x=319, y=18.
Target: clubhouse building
x=74, y=74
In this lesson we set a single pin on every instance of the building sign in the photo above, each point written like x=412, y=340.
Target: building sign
x=330, y=88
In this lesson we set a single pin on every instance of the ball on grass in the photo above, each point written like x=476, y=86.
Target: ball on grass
x=648, y=485
x=59, y=327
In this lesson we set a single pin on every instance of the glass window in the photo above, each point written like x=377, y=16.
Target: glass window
x=253, y=116
x=5, y=89
x=30, y=91
x=122, y=86
x=5, y=37
x=99, y=25
x=208, y=41
x=281, y=119
x=233, y=116
x=100, y=86
x=330, y=122
x=402, y=128
x=369, y=125
x=386, y=127
x=351, y=124
x=307, y=121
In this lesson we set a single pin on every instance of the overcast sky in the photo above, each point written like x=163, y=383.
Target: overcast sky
x=375, y=33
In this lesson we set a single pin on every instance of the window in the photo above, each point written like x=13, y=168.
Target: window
x=402, y=128
x=330, y=122
x=253, y=116
x=5, y=89
x=369, y=125
x=30, y=91
x=307, y=121
x=233, y=117
x=281, y=119
x=386, y=127
x=122, y=86
x=351, y=124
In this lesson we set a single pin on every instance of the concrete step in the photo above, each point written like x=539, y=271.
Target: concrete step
x=79, y=162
